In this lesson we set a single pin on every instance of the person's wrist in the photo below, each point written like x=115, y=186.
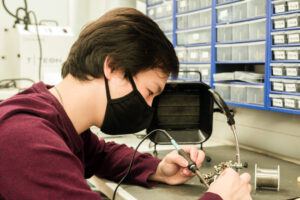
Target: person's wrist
x=157, y=176
x=216, y=191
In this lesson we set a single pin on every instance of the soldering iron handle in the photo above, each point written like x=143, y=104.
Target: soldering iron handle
x=191, y=165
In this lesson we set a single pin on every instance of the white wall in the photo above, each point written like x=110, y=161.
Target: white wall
x=99, y=7
x=46, y=9
x=73, y=13
x=275, y=133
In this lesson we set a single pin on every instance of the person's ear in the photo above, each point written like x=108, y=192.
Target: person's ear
x=107, y=70
x=110, y=72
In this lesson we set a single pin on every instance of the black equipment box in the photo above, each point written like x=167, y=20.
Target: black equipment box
x=185, y=111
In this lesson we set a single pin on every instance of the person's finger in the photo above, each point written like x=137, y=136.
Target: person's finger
x=175, y=158
x=188, y=149
x=245, y=177
x=250, y=187
x=229, y=172
x=187, y=172
x=193, y=151
x=200, y=158
x=243, y=192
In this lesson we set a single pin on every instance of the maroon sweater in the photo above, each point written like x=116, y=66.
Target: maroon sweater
x=43, y=157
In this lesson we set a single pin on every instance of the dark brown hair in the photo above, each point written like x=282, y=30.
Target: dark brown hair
x=132, y=41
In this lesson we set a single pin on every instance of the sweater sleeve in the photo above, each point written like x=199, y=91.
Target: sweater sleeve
x=37, y=164
x=110, y=160
x=210, y=196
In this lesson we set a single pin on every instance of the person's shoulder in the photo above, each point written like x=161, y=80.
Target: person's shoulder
x=27, y=112
x=28, y=130
x=36, y=105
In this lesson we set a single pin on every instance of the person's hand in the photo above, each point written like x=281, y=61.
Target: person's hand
x=173, y=169
x=232, y=186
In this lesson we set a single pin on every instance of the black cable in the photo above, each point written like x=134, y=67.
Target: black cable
x=12, y=83
x=17, y=79
x=26, y=5
x=223, y=107
x=17, y=12
x=26, y=19
x=39, y=42
x=132, y=160
x=8, y=84
x=7, y=10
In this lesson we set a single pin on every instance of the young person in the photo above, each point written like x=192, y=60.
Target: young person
x=119, y=63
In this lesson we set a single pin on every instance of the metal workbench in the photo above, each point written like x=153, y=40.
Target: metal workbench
x=289, y=188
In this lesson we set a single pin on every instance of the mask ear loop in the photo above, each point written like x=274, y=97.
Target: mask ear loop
x=107, y=89
x=131, y=81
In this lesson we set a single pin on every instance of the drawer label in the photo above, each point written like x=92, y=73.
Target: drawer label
x=292, y=71
x=278, y=86
x=194, y=55
x=180, y=54
x=204, y=72
x=292, y=55
x=205, y=54
x=159, y=10
x=293, y=5
x=196, y=36
x=293, y=22
x=182, y=4
x=277, y=102
x=151, y=12
x=290, y=87
x=294, y=38
x=277, y=71
x=279, y=8
x=290, y=103
x=223, y=14
x=169, y=7
x=279, y=39
x=279, y=24
x=279, y=55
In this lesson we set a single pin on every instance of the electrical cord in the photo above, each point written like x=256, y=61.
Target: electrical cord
x=39, y=43
x=26, y=18
x=191, y=165
x=7, y=10
x=12, y=83
x=131, y=163
x=8, y=84
x=223, y=107
x=27, y=21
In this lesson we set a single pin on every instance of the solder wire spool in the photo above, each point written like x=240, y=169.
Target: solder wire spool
x=267, y=178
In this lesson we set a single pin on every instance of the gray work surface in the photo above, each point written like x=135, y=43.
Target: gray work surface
x=289, y=187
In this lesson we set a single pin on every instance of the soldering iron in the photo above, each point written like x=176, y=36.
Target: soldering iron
x=191, y=164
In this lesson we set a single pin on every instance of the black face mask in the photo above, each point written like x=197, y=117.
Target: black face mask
x=128, y=114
